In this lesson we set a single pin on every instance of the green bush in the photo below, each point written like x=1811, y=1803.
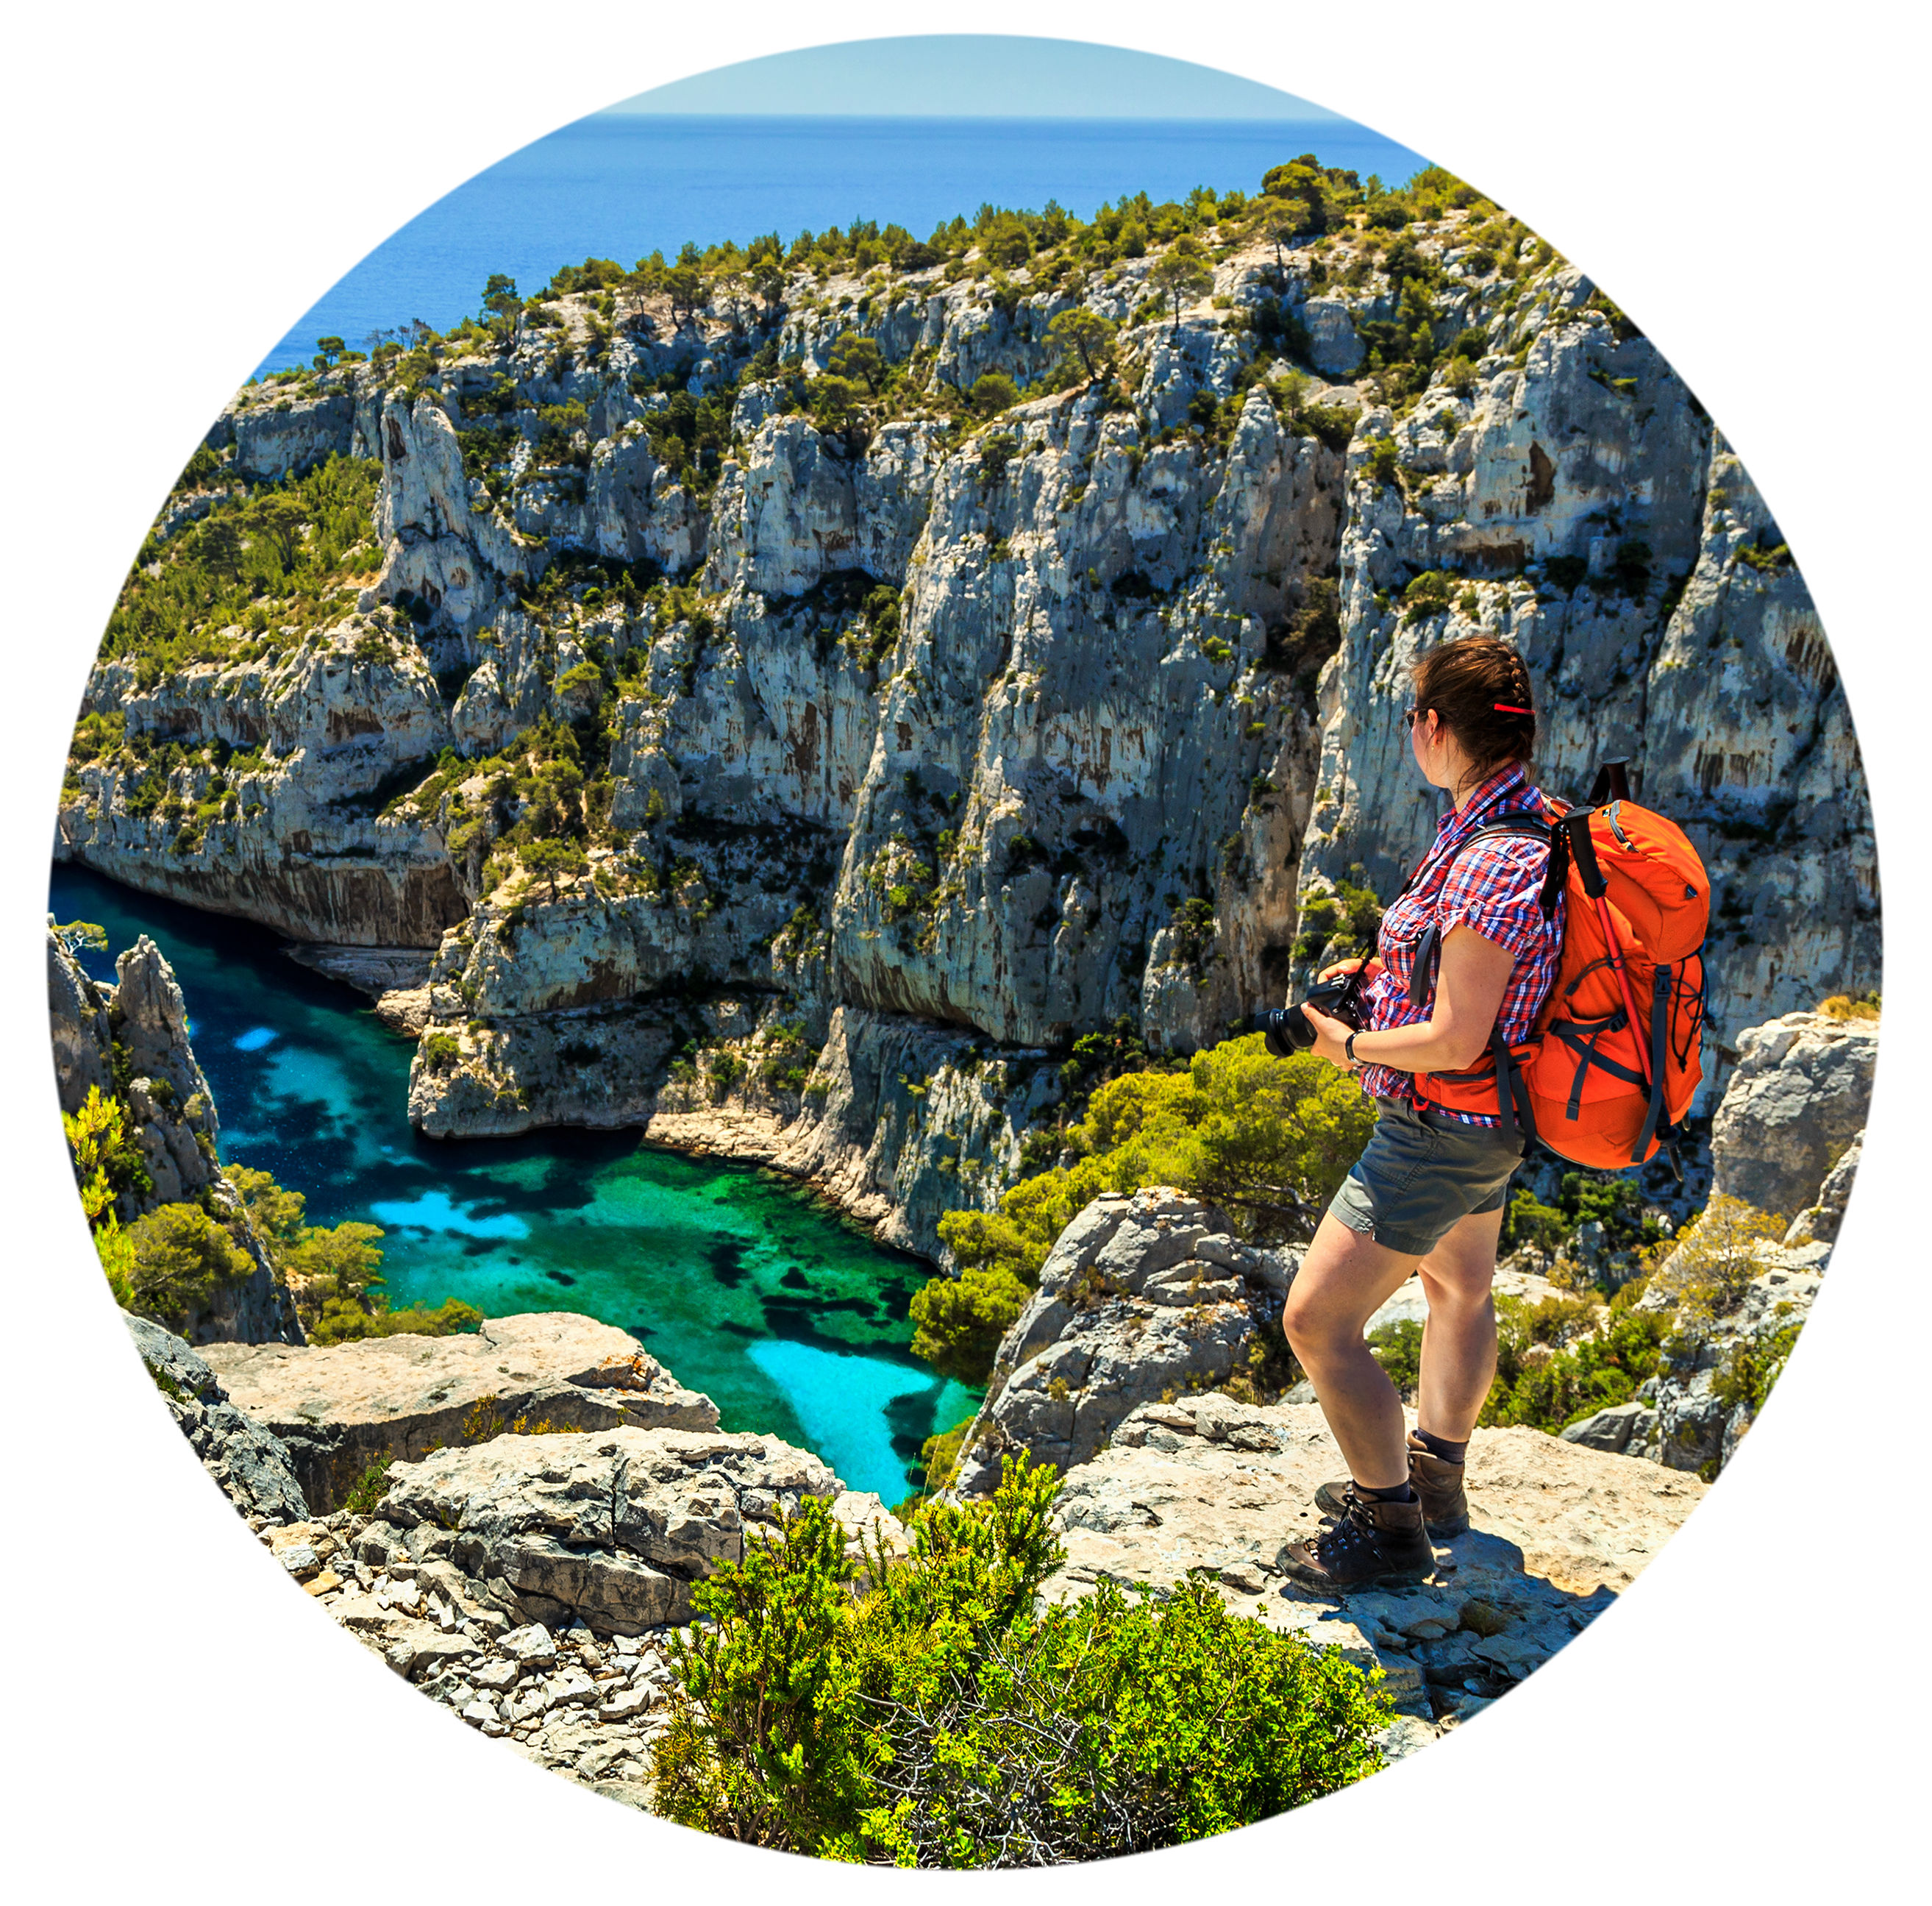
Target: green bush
x=335, y=1270
x=181, y=1257
x=1339, y=925
x=992, y=393
x=938, y=1720
x=1427, y=594
x=367, y=1490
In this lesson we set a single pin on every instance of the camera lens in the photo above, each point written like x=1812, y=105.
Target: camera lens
x=1286, y=1031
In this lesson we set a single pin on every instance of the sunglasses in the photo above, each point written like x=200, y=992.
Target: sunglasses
x=1410, y=716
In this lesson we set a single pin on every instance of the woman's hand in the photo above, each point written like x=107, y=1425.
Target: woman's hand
x=1329, y=1035
x=1369, y=967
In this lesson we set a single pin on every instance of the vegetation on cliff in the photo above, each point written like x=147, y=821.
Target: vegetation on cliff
x=941, y=1719
x=333, y=1270
x=268, y=562
x=1268, y=1140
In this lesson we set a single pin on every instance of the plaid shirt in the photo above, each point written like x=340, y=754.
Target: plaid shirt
x=1494, y=889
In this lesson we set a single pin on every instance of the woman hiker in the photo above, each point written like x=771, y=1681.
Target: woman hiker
x=1427, y=1193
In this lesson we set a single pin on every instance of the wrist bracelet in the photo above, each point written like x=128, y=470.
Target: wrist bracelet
x=1349, y=1051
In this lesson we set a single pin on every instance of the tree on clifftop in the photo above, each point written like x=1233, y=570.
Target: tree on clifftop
x=1084, y=333
x=1181, y=276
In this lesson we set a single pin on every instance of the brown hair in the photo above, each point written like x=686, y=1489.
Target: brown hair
x=1464, y=682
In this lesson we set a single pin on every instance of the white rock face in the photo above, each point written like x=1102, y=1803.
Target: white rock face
x=339, y=1407
x=297, y=840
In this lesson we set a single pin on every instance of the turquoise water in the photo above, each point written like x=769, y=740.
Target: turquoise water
x=793, y=1322
x=623, y=185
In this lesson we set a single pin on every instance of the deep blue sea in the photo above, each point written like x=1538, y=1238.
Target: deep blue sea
x=623, y=185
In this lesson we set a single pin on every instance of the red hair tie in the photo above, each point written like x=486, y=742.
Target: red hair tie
x=1505, y=708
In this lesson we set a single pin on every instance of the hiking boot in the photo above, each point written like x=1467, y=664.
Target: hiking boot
x=1445, y=1509
x=1373, y=1545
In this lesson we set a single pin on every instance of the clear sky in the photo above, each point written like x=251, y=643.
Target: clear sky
x=974, y=75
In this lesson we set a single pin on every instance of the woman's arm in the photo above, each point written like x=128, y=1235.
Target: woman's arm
x=1469, y=986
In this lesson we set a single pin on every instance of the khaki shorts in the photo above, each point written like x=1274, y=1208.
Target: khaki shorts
x=1420, y=1175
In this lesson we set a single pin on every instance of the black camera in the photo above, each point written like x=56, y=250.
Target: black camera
x=1286, y=1030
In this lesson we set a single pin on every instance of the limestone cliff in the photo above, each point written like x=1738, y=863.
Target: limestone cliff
x=957, y=734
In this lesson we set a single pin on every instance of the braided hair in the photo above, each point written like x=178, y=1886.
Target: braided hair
x=1480, y=686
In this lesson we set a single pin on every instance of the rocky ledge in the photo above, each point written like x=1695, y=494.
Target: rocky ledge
x=531, y=1584
x=338, y=1409
x=1205, y=1485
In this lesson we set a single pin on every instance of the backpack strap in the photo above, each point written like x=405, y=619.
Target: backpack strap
x=1429, y=948
x=1660, y=1021
x=1612, y=783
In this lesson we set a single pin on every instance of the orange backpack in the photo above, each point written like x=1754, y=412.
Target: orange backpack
x=1608, y=1074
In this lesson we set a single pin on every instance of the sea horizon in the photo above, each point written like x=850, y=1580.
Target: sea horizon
x=623, y=184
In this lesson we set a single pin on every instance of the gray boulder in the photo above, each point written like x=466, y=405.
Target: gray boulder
x=1614, y=1429
x=340, y=1407
x=1799, y=1098
x=612, y=1529
x=250, y=1463
x=1715, y=1371
x=1142, y=1298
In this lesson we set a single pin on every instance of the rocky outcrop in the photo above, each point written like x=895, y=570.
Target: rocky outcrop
x=1205, y=1484
x=1792, y=1110
x=341, y=1407
x=251, y=1464
x=82, y=1038
x=1795, y=1105
x=582, y=1699
x=610, y=1529
x=1142, y=1297
x=138, y=1027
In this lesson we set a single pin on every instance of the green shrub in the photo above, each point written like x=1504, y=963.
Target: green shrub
x=992, y=393
x=1397, y=1347
x=939, y=1720
x=1380, y=464
x=1751, y=1367
x=1704, y=1270
x=1339, y=925
x=368, y=1489
x=1561, y=1360
x=1427, y=594
x=440, y=1051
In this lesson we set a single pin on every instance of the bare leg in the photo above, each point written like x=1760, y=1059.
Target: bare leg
x=1343, y=1279
x=1459, y=1341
